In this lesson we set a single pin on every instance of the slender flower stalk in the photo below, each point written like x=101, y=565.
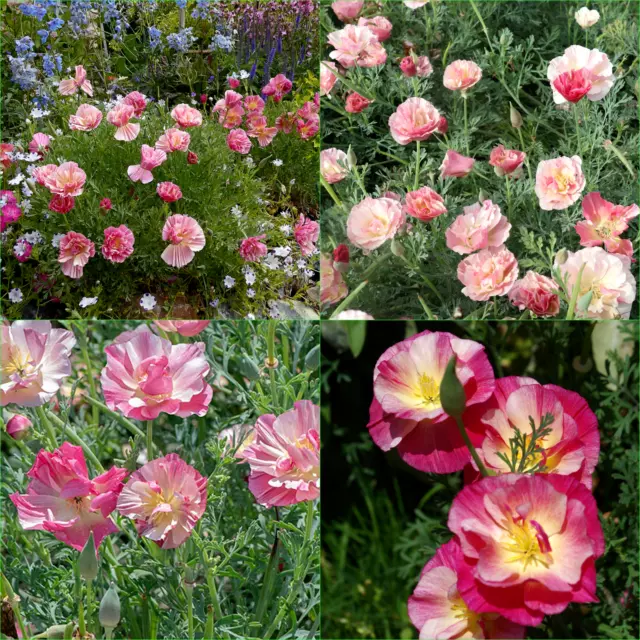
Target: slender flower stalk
x=466, y=125
x=416, y=182
x=332, y=193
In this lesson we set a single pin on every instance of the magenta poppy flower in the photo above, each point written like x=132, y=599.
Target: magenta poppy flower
x=306, y=233
x=137, y=101
x=252, y=250
x=18, y=426
x=536, y=293
x=277, y=87
x=168, y=191
x=238, y=141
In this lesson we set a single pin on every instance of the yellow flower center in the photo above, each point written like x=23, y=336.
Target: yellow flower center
x=462, y=612
x=19, y=363
x=527, y=545
x=563, y=180
x=429, y=392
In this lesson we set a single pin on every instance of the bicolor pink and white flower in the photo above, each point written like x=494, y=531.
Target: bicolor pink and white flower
x=186, y=116
x=328, y=77
x=86, y=118
x=40, y=174
x=18, y=426
x=186, y=237
x=347, y=9
x=150, y=159
x=373, y=221
x=137, y=101
x=119, y=117
x=306, y=233
x=490, y=272
x=173, y=140
x=254, y=104
x=169, y=191
x=334, y=165
x=379, y=25
x=118, y=243
x=332, y=285
x=461, y=75
x=537, y=293
x=455, y=165
x=252, y=250
x=70, y=86
x=188, y=328
x=277, y=87
x=506, y=161
x=66, y=180
x=424, y=204
x=559, y=182
x=414, y=120
x=239, y=141
x=356, y=46
x=260, y=129
x=39, y=144
x=481, y=226
x=75, y=251
x=285, y=456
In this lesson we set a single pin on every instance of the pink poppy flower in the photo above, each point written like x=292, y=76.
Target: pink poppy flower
x=258, y=129
x=22, y=251
x=186, y=116
x=6, y=149
x=341, y=258
x=437, y=609
x=166, y=497
x=481, y=226
x=379, y=25
x=186, y=237
x=328, y=77
x=173, y=140
x=408, y=67
x=61, y=204
x=443, y=125
x=278, y=87
x=286, y=122
x=505, y=161
x=373, y=221
x=239, y=141
x=146, y=375
x=238, y=438
x=355, y=103
x=589, y=72
x=559, y=182
x=63, y=500
x=332, y=286
x=168, y=191
x=424, y=204
x=356, y=46
x=415, y=4
x=10, y=211
x=137, y=101
x=529, y=544
x=406, y=412
x=39, y=143
x=119, y=117
x=86, y=118
x=254, y=104
x=35, y=361
x=606, y=276
x=40, y=174
x=118, y=243
x=347, y=9
x=423, y=67
x=455, y=165
x=490, y=272
x=70, y=86
x=621, y=247
x=105, y=204
x=188, y=328
x=18, y=427
x=230, y=110
x=150, y=159
x=75, y=251
x=415, y=119
x=66, y=180
x=306, y=233
x=309, y=110
x=234, y=83
x=334, y=165
x=307, y=129
x=192, y=158
x=252, y=250
x=536, y=293
x=285, y=456
x=461, y=75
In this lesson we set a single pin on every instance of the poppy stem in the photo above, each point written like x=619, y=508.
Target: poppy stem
x=472, y=449
x=466, y=125
x=575, y=117
x=416, y=182
x=149, y=440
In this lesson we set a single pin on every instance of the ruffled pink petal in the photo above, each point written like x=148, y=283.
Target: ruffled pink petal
x=127, y=132
x=177, y=255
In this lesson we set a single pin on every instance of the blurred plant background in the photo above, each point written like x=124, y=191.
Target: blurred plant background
x=383, y=520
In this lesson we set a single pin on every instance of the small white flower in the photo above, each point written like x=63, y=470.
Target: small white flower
x=27, y=206
x=309, y=273
x=15, y=295
x=161, y=103
x=244, y=74
x=36, y=113
x=282, y=252
x=277, y=162
x=87, y=302
x=20, y=248
x=286, y=229
x=31, y=157
x=292, y=181
x=272, y=262
x=148, y=302
x=250, y=316
x=249, y=161
x=33, y=237
x=26, y=191
x=286, y=213
x=55, y=242
x=59, y=132
x=251, y=293
x=17, y=180
x=214, y=303
x=236, y=211
x=229, y=282
x=249, y=277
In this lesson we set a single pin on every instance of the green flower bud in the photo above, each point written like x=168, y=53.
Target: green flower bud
x=109, y=615
x=561, y=256
x=452, y=397
x=312, y=361
x=516, y=118
x=352, y=160
x=396, y=248
x=249, y=369
x=88, y=560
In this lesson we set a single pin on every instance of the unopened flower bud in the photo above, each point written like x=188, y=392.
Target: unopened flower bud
x=396, y=248
x=352, y=160
x=452, y=396
x=561, y=256
x=18, y=427
x=482, y=196
x=109, y=615
x=516, y=118
x=312, y=361
x=88, y=560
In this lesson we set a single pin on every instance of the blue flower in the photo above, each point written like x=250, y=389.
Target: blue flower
x=155, y=36
x=182, y=40
x=44, y=34
x=37, y=11
x=221, y=41
x=55, y=24
x=24, y=45
x=48, y=65
x=181, y=4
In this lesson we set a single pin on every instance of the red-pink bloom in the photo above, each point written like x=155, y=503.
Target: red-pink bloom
x=573, y=85
x=455, y=165
x=66, y=180
x=186, y=116
x=166, y=497
x=40, y=174
x=173, y=140
x=278, y=87
x=119, y=117
x=22, y=250
x=61, y=204
x=355, y=103
x=105, y=204
x=71, y=85
x=39, y=143
x=285, y=456
x=490, y=272
x=188, y=328
x=254, y=104
x=332, y=286
x=356, y=46
x=307, y=129
x=260, y=130
x=230, y=109
x=10, y=211
x=118, y=243
x=239, y=141
x=529, y=544
x=423, y=67
x=306, y=233
x=559, y=182
x=203, y=98
x=63, y=500
x=481, y=226
x=406, y=412
x=379, y=25
x=309, y=110
x=347, y=9
x=536, y=293
x=328, y=77
x=373, y=221
x=146, y=375
x=75, y=251
x=437, y=609
x=334, y=165
x=443, y=125
x=506, y=161
x=461, y=75
x=341, y=257
x=186, y=237
x=137, y=101
x=6, y=149
x=86, y=118
x=424, y=204
x=408, y=67
x=286, y=122
x=192, y=158
x=234, y=83
x=252, y=250
x=414, y=120
x=35, y=361
x=150, y=159
x=168, y=191
x=18, y=426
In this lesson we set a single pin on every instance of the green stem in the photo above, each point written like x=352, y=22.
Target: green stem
x=332, y=193
x=575, y=117
x=574, y=295
x=506, y=179
x=77, y=440
x=472, y=449
x=466, y=126
x=127, y=424
x=149, y=440
x=15, y=604
x=189, y=592
x=416, y=182
x=89, y=604
x=47, y=427
x=345, y=303
x=484, y=26
x=527, y=159
x=95, y=410
x=81, y=625
x=271, y=360
x=268, y=580
x=308, y=522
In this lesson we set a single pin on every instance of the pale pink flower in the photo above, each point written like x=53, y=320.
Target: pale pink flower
x=606, y=276
x=461, y=75
x=63, y=500
x=352, y=314
x=86, y=118
x=423, y=67
x=415, y=4
x=173, y=140
x=40, y=174
x=380, y=26
x=137, y=101
x=306, y=233
x=150, y=159
x=285, y=456
x=374, y=221
x=35, y=361
x=260, y=130
x=188, y=328
x=252, y=250
x=230, y=109
x=347, y=9
x=586, y=17
x=18, y=426
x=559, y=182
x=119, y=117
x=536, y=293
x=118, y=243
x=239, y=141
x=5, y=149
x=75, y=251
x=328, y=77
x=424, y=204
x=332, y=286
x=70, y=86
x=238, y=437
x=277, y=87
x=355, y=103
x=506, y=161
x=415, y=119
x=146, y=375
x=481, y=226
x=186, y=237
x=67, y=180
x=333, y=165
x=455, y=165
x=254, y=104
x=356, y=46
x=39, y=143
x=186, y=116
x=490, y=272
x=597, y=71
x=168, y=191
x=166, y=497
